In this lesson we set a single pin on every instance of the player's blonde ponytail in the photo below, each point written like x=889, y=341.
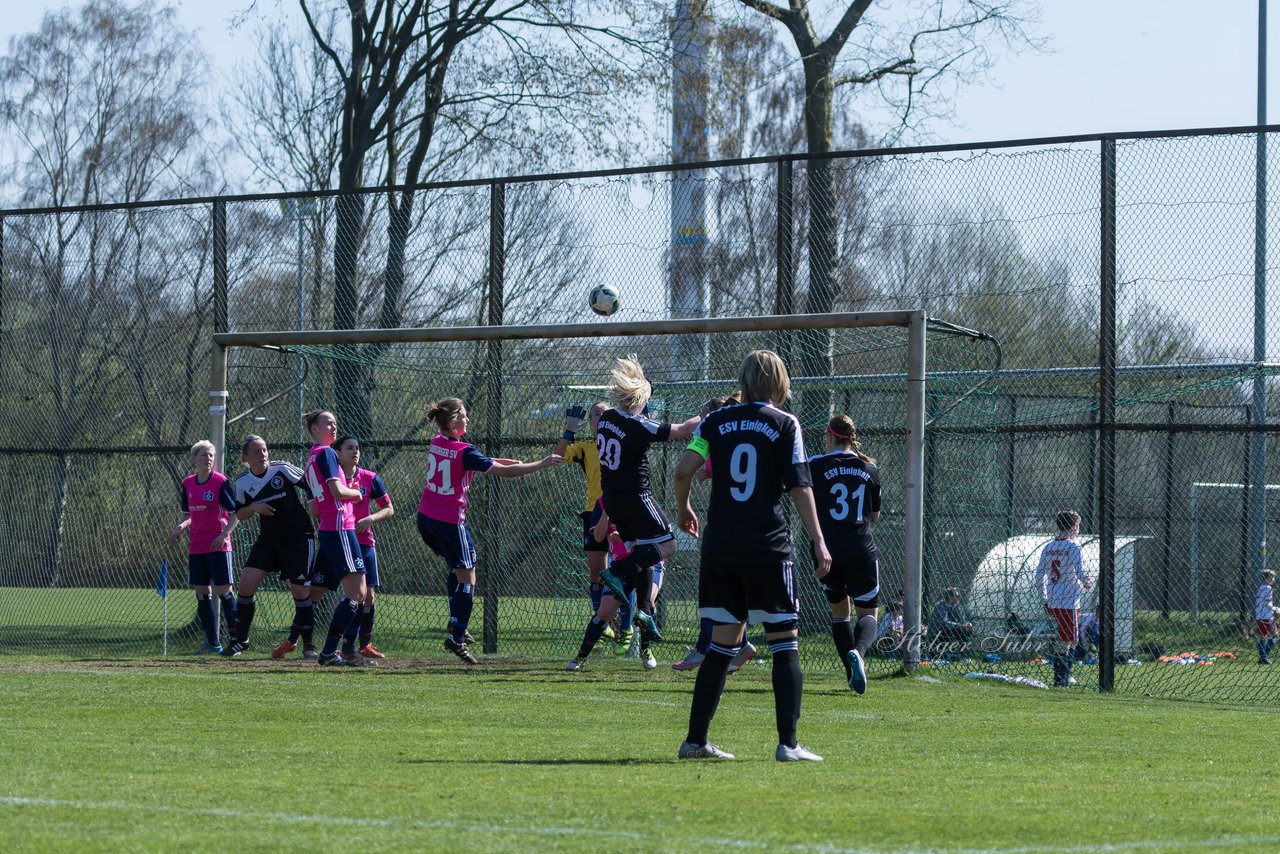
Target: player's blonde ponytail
x=628, y=388
x=764, y=377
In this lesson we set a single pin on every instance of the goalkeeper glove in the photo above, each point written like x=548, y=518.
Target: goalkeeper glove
x=574, y=417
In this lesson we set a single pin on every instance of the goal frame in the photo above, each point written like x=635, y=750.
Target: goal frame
x=915, y=321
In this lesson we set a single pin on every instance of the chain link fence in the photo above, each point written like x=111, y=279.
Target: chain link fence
x=106, y=316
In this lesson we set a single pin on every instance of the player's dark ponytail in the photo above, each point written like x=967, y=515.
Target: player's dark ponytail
x=443, y=411
x=846, y=435
x=309, y=418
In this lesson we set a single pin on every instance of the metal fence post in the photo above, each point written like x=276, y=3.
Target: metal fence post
x=1107, y=432
x=913, y=494
x=1168, y=515
x=784, y=294
x=218, y=394
x=492, y=558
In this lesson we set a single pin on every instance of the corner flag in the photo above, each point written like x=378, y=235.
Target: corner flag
x=162, y=583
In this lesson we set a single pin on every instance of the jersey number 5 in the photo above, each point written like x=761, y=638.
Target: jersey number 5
x=1055, y=571
x=610, y=452
x=841, y=494
x=445, y=486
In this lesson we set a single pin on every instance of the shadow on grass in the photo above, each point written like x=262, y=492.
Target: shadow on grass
x=548, y=762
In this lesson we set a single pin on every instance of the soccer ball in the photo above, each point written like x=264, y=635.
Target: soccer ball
x=604, y=299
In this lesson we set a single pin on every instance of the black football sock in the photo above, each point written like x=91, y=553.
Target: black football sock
x=246, y=607
x=208, y=618
x=788, y=684
x=366, y=624
x=595, y=628
x=228, y=601
x=707, y=689
x=864, y=634
x=343, y=614
x=842, y=634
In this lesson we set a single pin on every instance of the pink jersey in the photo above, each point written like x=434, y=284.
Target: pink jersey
x=208, y=504
x=371, y=489
x=617, y=548
x=450, y=465
x=322, y=467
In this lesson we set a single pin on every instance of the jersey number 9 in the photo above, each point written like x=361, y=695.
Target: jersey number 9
x=742, y=468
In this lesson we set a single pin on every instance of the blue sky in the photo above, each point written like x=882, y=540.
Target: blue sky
x=1114, y=65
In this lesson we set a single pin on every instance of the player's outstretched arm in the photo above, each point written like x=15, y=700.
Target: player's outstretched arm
x=501, y=469
x=683, y=430
x=802, y=498
x=691, y=462
x=574, y=417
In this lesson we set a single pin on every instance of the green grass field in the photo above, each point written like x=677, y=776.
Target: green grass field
x=258, y=755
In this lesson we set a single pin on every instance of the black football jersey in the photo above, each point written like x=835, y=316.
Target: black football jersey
x=756, y=453
x=278, y=486
x=846, y=489
x=622, y=441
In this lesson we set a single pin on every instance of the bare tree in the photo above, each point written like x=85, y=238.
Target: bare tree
x=98, y=105
x=905, y=59
x=542, y=63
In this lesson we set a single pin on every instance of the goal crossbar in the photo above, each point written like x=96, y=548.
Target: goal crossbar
x=915, y=321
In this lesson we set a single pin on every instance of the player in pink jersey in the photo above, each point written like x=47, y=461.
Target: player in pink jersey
x=333, y=498
x=604, y=531
x=208, y=517
x=372, y=491
x=442, y=512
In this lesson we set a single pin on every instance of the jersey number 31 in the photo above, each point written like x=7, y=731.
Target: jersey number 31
x=842, y=496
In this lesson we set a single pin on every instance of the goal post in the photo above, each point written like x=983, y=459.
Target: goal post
x=768, y=329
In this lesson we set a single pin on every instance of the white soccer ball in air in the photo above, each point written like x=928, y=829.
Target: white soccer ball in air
x=605, y=299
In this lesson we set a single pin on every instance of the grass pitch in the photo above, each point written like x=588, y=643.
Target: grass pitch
x=428, y=756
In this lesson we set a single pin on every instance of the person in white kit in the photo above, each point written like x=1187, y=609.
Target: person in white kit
x=1264, y=612
x=1060, y=578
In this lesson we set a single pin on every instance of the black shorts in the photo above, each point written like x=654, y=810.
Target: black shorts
x=638, y=518
x=589, y=542
x=854, y=576
x=294, y=558
x=755, y=590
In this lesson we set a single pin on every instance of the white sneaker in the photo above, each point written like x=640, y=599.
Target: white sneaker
x=706, y=751
x=690, y=661
x=744, y=655
x=647, y=659
x=576, y=664
x=799, y=753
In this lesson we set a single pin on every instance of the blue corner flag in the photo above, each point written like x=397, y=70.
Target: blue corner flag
x=162, y=583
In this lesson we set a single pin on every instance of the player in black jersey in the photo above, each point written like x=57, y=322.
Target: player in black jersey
x=757, y=452
x=846, y=488
x=623, y=436
x=269, y=489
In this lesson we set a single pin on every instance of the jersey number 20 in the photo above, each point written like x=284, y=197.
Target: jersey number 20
x=445, y=486
x=610, y=452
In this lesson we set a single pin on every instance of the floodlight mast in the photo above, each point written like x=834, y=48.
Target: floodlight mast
x=915, y=321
